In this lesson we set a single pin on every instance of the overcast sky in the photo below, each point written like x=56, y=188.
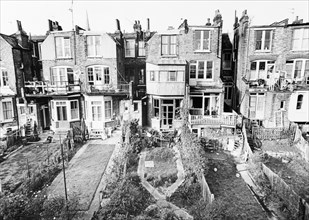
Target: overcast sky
x=102, y=14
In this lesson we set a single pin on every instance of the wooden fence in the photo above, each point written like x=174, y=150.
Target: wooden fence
x=272, y=133
x=206, y=193
x=294, y=202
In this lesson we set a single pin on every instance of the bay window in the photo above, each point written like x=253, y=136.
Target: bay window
x=202, y=40
x=63, y=47
x=94, y=46
x=263, y=40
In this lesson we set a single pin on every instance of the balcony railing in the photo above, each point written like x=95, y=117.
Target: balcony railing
x=107, y=88
x=49, y=88
x=225, y=119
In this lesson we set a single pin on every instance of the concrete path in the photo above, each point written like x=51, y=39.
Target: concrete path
x=86, y=173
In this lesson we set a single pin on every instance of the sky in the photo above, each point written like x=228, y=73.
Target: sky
x=102, y=14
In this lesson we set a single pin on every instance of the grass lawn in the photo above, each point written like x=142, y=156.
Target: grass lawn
x=14, y=168
x=84, y=174
x=236, y=197
x=164, y=166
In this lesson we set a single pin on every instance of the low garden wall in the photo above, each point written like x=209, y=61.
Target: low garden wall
x=206, y=193
x=293, y=201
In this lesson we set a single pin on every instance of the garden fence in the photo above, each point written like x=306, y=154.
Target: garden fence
x=295, y=203
x=206, y=193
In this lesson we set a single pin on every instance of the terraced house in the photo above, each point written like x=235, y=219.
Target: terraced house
x=187, y=63
x=272, y=64
x=80, y=79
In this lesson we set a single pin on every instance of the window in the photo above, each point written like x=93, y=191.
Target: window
x=263, y=40
x=282, y=104
x=4, y=78
x=96, y=107
x=135, y=106
x=141, y=76
x=63, y=48
x=61, y=111
x=197, y=102
x=172, y=76
x=141, y=48
x=7, y=109
x=299, y=101
x=95, y=75
x=227, y=59
x=192, y=69
x=94, y=46
x=152, y=76
x=108, y=109
x=62, y=76
x=261, y=69
x=22, y=110
x=40, y=51
x=204, y=70
x=202, y=40
x=301, y=39
x=256, y=106
x=228, y=92
x=74, y=109
x=156, y=107
x=298, y=68
x=130, y=48
x=168, y=45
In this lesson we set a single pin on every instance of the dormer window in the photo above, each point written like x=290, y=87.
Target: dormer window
x=263, y=40
x=63, y=47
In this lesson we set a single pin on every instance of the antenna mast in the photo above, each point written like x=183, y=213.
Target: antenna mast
x=71, y=9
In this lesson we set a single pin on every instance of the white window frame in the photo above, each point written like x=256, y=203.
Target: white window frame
x=106, y=109
x=303, y=68
x=96, y=110
x=94, y=50
x=196, y=63
x=260, y=99
x=75, y=111
x=200, y=49
x=171, y=46
x=61, y=105
x=258, y=73
x=33, y=50
x=141, y=49
x=7, y=110
x=61, y=79
x=299, y=103
x=263, y=40
x=2, y=77
x=302, y=39
x=63, y=47
x=130, y=48
x=103, y=79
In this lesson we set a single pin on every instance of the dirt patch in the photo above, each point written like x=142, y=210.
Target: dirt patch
x=84, y=175
x=231, y=190
x=295, y=172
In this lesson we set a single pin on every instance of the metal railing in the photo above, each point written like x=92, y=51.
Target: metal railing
x=45, y=88
x=107, y=88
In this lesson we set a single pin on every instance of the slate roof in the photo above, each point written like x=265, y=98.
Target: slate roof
x=11, y=40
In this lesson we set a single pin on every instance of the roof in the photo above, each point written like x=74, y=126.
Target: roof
x=11, y=40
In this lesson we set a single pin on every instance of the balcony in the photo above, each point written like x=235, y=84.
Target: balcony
x=41, y=88
x=226, y=119
x=109, y=89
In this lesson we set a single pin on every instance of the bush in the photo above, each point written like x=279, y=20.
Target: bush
x=161, y=154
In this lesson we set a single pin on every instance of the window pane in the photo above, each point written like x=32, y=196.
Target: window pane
x=98, y=73
x=297, y=39
x=172, y=76
x=267, y=40
x=90, y=46
x=258, y=42
x=197, y=40
x=67, y=48
x=299, y=101
x=108, y=110
x=197, y=102
x=141, y=48
x=192, y=71
x=164, y=49
x=297, y=71
x=90, y=74
x=262, y=65
x=209, y=70
x=173, y=39
x=201, y=70
x=206, y=40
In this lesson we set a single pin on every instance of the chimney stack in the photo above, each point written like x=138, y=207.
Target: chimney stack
x=118, y=25
x=208, y=22
x=22, y=36
x=218, y=18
